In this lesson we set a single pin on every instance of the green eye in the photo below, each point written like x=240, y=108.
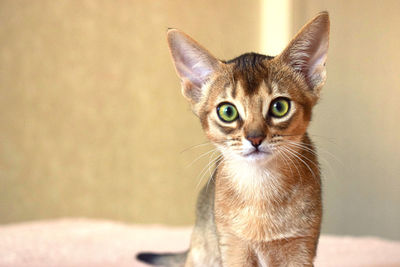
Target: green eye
x=227, y=112
x=279, y=107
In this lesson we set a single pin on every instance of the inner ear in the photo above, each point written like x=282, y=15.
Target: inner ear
x=193, y=64
x=307, y=52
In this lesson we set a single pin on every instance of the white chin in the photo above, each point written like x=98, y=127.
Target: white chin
x=257, y=156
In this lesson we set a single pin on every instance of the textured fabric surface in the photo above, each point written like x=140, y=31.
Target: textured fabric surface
x=81, y=242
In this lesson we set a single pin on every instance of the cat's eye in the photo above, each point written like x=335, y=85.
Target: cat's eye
x=227, y=112
x=279, y=107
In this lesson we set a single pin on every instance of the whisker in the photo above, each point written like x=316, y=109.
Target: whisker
x=196, y=146
x=294, y=153
x=313, y=135
x=302, y=146
x=318, y=148
x=302, y=156
x=294, y=164
x=215, y=169
x=280, y=153
x=204, y=170
x=210, y=159
x=201, y=156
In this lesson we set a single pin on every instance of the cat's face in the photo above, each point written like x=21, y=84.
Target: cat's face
x=250, y=105
x=253, y=105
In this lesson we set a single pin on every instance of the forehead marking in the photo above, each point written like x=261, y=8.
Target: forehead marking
x=250, y=70
x=234, y=89
x=274, y=88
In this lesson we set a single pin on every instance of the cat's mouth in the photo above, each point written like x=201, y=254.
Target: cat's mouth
x=257, y=154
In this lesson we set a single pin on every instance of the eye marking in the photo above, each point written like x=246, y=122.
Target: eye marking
x=279, y=107
x=227, y=112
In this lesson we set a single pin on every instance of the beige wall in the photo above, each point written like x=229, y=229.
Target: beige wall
x=357, y=119
x=92, y=122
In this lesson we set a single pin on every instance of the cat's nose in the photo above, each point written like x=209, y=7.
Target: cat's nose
x=255, y=140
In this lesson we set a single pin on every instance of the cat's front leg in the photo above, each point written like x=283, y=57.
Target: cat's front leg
x=296, y=251
x=236, y=252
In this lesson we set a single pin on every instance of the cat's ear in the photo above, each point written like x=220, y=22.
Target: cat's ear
x=307, y=52
x=193, y=63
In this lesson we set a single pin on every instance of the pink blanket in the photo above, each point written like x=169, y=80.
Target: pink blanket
x=81, y=242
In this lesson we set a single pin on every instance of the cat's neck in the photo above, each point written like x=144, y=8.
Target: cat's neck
x=251, y=180
x=272, y=179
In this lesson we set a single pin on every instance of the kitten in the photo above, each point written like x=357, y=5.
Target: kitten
x=262, y=206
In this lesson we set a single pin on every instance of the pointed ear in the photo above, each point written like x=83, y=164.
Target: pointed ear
x=307, y=52
x=193, y=64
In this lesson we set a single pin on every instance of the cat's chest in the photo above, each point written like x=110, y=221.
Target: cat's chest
x=253, y=207
x=255, y=221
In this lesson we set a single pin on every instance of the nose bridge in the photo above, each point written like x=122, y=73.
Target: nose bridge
x=255, y=128
x=255, y=131
x=255, y=125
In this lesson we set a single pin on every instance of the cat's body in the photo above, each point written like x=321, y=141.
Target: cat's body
x=262, y=207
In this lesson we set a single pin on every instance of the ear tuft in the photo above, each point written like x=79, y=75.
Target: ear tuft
x=193, y=63
x=307, y=52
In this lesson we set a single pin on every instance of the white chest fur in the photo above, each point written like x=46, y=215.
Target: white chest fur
x=257, y=211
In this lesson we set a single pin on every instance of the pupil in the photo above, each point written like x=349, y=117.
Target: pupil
x=228, y=111
x=278, y=106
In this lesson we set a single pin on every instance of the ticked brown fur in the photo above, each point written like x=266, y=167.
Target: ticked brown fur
x=262, y=206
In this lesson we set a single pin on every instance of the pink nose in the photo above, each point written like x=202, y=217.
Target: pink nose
x=255, y=140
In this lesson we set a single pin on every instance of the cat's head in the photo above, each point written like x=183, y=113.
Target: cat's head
x=250, y=104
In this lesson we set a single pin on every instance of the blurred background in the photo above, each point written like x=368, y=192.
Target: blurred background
x=92, y=122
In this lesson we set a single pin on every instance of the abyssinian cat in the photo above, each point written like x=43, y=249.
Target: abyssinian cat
x=262, y=206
